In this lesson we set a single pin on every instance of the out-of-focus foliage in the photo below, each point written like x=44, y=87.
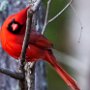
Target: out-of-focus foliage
x=54, y=80
x=57, y=32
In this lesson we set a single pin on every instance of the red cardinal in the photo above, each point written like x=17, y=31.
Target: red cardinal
x=12, y=35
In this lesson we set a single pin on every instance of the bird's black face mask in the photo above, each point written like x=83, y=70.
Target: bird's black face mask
x=14, y=27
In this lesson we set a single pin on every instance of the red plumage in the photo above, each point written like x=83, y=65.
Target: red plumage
x=12, y=35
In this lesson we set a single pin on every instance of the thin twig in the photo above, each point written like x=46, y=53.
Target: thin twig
x=46, y=16
x=58, y=14
x=12, y=74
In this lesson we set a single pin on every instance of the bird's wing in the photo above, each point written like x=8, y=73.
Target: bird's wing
x=39, y=40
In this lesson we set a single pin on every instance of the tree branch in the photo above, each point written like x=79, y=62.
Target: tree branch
x=46, y=22
x=46, y=16
x=27, y=36
x=24, y=83
x=58, y=14
x=12, y=74
x=30, y=12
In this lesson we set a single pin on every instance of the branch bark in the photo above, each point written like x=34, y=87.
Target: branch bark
x=30, y=66
x=23, y=84
x=12, y=74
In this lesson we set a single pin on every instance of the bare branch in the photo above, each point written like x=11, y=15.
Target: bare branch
x=27, y=35
x=28, y=30
x=23, y=85
x=30, y=13
x=12, y=74
x=35, y=5
x=46, y=16
x=56, y=16
x=30, y=75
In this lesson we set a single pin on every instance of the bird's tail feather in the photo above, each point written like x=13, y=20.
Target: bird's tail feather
x=62, y=73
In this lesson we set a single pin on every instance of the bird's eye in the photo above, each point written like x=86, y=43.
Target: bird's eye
x=14, y=27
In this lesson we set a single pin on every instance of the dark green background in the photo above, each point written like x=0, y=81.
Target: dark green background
x=57, y=33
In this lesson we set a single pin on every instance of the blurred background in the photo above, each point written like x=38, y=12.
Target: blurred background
x=71, y=43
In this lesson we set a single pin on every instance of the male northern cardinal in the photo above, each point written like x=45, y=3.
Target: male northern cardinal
x=12, y=35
